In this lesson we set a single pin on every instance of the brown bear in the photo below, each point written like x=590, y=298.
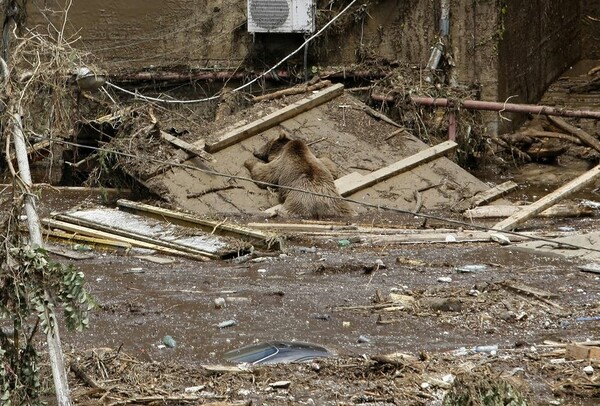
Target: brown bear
x=288, y=162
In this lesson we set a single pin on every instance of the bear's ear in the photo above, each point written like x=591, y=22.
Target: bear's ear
x=283, y=136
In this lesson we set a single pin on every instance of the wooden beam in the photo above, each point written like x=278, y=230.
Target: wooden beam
x=558, y=210
x=135, y=236
x=265, y=240
x=549, y=200
x=486, y=196
x=74, y=228
x=397, y=168
x=578, y=351
x=273, y=119
x=586, y=138
x=187, y=147
x=71, y=237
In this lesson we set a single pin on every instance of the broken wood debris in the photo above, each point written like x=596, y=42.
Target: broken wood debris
x=110, y=236
x=586, y=138
x=259, y=238
x=96, y=242
x=549, y=200
x=148, y=230
x=187, y=147
x=558, y=210
x=272, y=119
x=486, y=196
x=577, y=351
x=292, y=90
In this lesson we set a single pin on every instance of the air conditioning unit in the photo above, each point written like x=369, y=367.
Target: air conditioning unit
x=281, y=16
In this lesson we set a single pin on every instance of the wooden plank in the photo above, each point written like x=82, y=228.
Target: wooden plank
x=578, y=351
x=135, y=236
x=528, y=290
x=273, y=119
x=74, y=228
x=72, y=237
x=349, y=181
x=260, y=238
x=549, y=200
x=586, y=138
x=558, y=210
x=186, y=146
x=397, y=168
x=486, y=196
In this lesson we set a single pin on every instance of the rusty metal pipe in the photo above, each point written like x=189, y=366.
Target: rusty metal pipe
x=495, y=106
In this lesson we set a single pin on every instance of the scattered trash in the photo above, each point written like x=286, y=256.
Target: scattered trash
x=450, y=238
x=488, y=349
x=82, y=247
x=471, y=268
x=261, y=270
x=345, y=324
x=375, y=267
x=134, y=270
x=307, y=250
x=500, y=239
x=280, y=384
x=363, y=340
x=324, y=317
x=592, y=268
x=237, y=299
x=277, y=352
x=219, y=303
x=169, y=342
x=194, y=389
x=444, y=279
x=343, y=243
x=227, y=323
x=565, y=228
x=589, y=370
x=588, y=318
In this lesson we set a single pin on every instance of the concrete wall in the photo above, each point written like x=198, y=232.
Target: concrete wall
x=590, y=29
x=508, y=47
x=540, y=40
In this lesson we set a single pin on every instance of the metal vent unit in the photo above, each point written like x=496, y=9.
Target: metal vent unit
x=281, y=16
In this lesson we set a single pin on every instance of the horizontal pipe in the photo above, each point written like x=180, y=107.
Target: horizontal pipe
x=182, y=76
x=495, y=106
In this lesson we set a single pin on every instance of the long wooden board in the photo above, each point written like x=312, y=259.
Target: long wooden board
x=187, y=147
x=271, y=120
x=260, y=238
x=578, y=132
x=549, y=200
x=486, y=196
x=397, y=168
x=558, y=210
x=150, y=231
x=74, y=228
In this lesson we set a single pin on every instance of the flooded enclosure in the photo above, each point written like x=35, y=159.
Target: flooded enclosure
x=387, y=203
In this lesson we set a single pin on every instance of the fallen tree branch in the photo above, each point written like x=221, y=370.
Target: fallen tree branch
x=291, y=91
x=586, y=138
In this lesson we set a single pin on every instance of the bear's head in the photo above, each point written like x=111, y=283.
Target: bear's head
x=272, y=149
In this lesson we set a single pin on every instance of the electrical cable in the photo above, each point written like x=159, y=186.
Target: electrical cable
x=237, y=89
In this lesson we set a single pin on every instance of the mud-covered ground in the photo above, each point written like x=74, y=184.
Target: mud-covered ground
x=319, y=292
